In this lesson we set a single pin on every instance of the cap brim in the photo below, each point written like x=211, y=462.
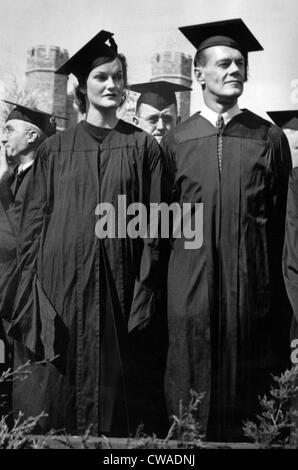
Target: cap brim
x=44, y=121
x=26, y=108
x=235, y=29
x=160, y=86
x=285, y=119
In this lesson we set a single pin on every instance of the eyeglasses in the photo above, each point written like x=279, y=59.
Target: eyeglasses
x=166, y=119
x=6, y=132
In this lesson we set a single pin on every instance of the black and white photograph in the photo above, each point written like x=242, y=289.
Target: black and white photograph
x=149, y=228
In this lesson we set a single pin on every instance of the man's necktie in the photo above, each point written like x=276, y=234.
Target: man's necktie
x=220, y=124
x=19, y=179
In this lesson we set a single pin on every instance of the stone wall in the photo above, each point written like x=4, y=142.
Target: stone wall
x=49, y=89
x=175, y=67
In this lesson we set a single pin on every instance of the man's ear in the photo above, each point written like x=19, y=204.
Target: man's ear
x=135, y=120
x=199, y=74
x=32, y=136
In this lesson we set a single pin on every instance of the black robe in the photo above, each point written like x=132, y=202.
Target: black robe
x=8, y=243
x=78, y=296
x=7, y=267
x=227, y=309
x=8, y=262
x=290, y=255
x=290, y=264
x=7, y=249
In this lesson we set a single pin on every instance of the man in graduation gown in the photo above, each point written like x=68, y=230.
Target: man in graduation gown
x=82, y=297
x=288, y=120
x=156, y=107
x=24, y=130
x=227, y=312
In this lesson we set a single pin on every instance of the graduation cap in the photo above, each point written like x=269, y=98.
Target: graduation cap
x=45, y=121
x=94, y=53
x=285, y=119
x=233, y=33
x=159, y=94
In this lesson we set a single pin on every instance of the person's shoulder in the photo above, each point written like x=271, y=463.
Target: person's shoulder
x=127, y=128
x=192, y=128
x=259, y=122
x=250, y=116
x=133, y=135
x=55, y=141
x=273, y=136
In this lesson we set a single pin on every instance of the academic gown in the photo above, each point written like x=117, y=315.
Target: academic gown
x=290, y=255
x=78, y=295
x=7, y=248
x=290, y=263
x=8, y=243
x=7, y=266
x=8, y=261
x=227, y=309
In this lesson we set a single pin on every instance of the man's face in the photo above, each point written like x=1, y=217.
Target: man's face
x=15, y=139
x=155, y=122
x=292, y=136
x=223, y=75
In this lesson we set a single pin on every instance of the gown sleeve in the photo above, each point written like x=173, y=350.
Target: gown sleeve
x=280, y=164
x=6, y=195
x=24, y=305
x=290, y=254
x=148, y=281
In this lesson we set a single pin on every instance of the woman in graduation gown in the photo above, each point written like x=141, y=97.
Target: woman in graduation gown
x=80, y=297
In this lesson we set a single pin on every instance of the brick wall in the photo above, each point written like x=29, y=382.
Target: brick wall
x=175, y=67
x=48, y=89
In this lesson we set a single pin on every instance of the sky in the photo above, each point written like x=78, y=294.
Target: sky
x=144, y=27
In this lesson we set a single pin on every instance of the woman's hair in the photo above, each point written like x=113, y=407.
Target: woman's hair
x=80, y=99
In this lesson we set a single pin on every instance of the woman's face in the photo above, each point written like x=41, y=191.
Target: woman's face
x=105, y=85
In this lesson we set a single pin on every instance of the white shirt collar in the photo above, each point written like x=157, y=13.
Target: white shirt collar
x=23, y=166
x=212, y=116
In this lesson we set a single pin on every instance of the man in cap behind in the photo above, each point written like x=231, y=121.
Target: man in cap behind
x=24, y=130
x=156, y=107
x=288, y=121
x=227, y=309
